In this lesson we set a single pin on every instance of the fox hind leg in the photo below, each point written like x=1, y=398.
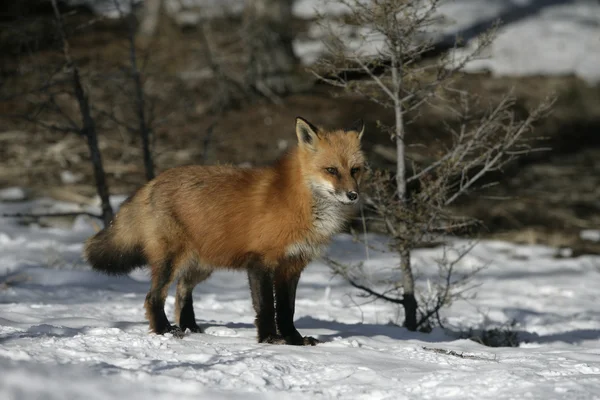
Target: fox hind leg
x=184, y=308
x=162, y=276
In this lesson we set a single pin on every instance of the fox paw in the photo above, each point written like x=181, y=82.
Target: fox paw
x=310, y=341
x=294, y=340
x=273, y=339
x=192, y=328
x=174, y=330
x=302, y=341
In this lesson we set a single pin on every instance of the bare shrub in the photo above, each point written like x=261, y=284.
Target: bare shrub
x=391, y=58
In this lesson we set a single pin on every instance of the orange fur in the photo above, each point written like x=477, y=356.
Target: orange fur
x=208, y=217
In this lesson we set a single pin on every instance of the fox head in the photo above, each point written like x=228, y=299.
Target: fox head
x=332, y=161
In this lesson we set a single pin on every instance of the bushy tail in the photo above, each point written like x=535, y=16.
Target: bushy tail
x=105, y=254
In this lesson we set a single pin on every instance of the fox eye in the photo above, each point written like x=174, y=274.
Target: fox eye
x=354, y=171
x=332, y=170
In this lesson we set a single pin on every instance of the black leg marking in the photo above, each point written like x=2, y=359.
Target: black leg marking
x=155, y=300
x=285, y=295
x=187, y=319
x=261, y=288
x=184, y=303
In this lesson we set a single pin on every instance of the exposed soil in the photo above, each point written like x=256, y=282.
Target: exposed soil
x=550, y=195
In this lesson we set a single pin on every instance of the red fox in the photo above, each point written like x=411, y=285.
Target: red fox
x=270, y=221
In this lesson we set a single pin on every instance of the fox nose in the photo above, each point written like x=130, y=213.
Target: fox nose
x=352, y=195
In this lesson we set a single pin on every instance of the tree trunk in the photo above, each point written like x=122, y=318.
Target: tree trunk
x=408, y=282
x=409, y=302
x=89, y=127
x=140, y=104
x=400, y=158
x=269, y=40
x=89, y=131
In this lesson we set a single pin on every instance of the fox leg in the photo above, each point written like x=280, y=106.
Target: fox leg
x=286, y=282
x=261, y=288
x=162, y=275
x=184, y=309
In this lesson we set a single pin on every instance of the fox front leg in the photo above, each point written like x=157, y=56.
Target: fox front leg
x=261, y=288
x=286, y=282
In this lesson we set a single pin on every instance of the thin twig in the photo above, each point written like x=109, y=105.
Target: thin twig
x=374, y=293
x=63, y=214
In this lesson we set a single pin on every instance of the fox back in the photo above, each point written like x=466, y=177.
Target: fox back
x=224, y=216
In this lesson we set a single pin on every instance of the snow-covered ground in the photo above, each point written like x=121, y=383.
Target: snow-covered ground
x=536, y=37
x=67, y=332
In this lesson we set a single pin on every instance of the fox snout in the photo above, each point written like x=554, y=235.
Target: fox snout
x=352, y=195
x=346, y=196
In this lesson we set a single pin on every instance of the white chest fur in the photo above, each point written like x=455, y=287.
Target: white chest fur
x=328, y=219
x=306, y=250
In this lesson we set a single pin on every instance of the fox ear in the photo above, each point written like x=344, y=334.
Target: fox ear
x=357, y=126
x=307, y=133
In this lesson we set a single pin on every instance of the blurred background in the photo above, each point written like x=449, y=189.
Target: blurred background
x=221, y=81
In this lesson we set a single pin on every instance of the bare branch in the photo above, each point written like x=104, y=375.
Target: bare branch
x=63, y=214
x=374, y=293
x=383, y=87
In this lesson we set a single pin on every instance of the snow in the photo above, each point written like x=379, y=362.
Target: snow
x=312, y=8
x=70, y=177
x=68, y=332
x=590, y=234
x=537, y=37
x=12, y=194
